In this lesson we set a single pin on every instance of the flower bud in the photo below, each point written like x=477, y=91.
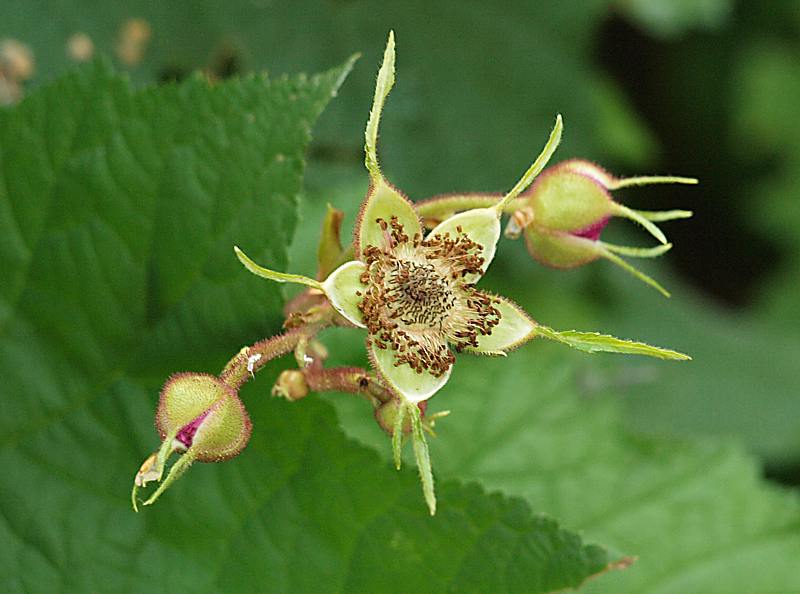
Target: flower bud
x=569, y=205
x=386, y=415
x=200, y=418
x=291, y=384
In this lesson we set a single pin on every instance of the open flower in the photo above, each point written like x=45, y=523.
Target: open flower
x=415, y=293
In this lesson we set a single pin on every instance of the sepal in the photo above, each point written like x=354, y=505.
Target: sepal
x=481, y=225
x=515, y=329
x=344, y=287
x=330, y=252
x=410, y=385
x=593, y=342
x=423, y=457
x=278, y=277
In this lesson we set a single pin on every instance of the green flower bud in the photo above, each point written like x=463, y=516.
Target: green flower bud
x=568, y=206
x=200, y=418
x=386, y=415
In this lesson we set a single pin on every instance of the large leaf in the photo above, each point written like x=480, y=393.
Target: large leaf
x=118, y=212
x=696, y=514
x=742, y=383
x=548, y=424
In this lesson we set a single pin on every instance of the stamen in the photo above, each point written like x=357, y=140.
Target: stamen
x=416, y=300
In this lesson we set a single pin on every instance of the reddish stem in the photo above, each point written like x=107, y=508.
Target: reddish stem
x=354, y=380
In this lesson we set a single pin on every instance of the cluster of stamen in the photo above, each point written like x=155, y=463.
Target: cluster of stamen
x=416, y=298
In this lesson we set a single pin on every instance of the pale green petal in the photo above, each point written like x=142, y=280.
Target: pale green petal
x=441, y=206
x=279, y=277
x=481, y=225
x=340, y=287
x=515, y=328
x=383, y=202
x=412, y=386
x=593, y=342
x=423, y=457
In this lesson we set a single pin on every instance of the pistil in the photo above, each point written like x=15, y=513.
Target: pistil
x=416, y=299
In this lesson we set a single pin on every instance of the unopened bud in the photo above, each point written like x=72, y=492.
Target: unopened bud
x=386, y=415
x=199, y=417
x=569, y=205
x=291, y=384
x=205, y=415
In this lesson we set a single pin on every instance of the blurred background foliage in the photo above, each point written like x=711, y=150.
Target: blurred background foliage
x=705, y=88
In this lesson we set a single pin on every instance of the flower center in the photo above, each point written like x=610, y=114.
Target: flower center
x=418, y=294
x=416, y=299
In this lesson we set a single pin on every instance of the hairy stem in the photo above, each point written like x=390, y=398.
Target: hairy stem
x=440, y=207
x=252, y=358
x=353, y=380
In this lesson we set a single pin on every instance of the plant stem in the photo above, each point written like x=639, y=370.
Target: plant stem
x=354, y=380
x=440, y=207
x=252, y=358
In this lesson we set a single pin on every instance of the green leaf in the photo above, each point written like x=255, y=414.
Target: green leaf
x=464, y=118
x=742, y=380
x=696, y=514
x=122, y=207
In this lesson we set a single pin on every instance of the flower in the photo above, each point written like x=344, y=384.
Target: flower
x=415, y=294
x=569, y=205
x=199, y=417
